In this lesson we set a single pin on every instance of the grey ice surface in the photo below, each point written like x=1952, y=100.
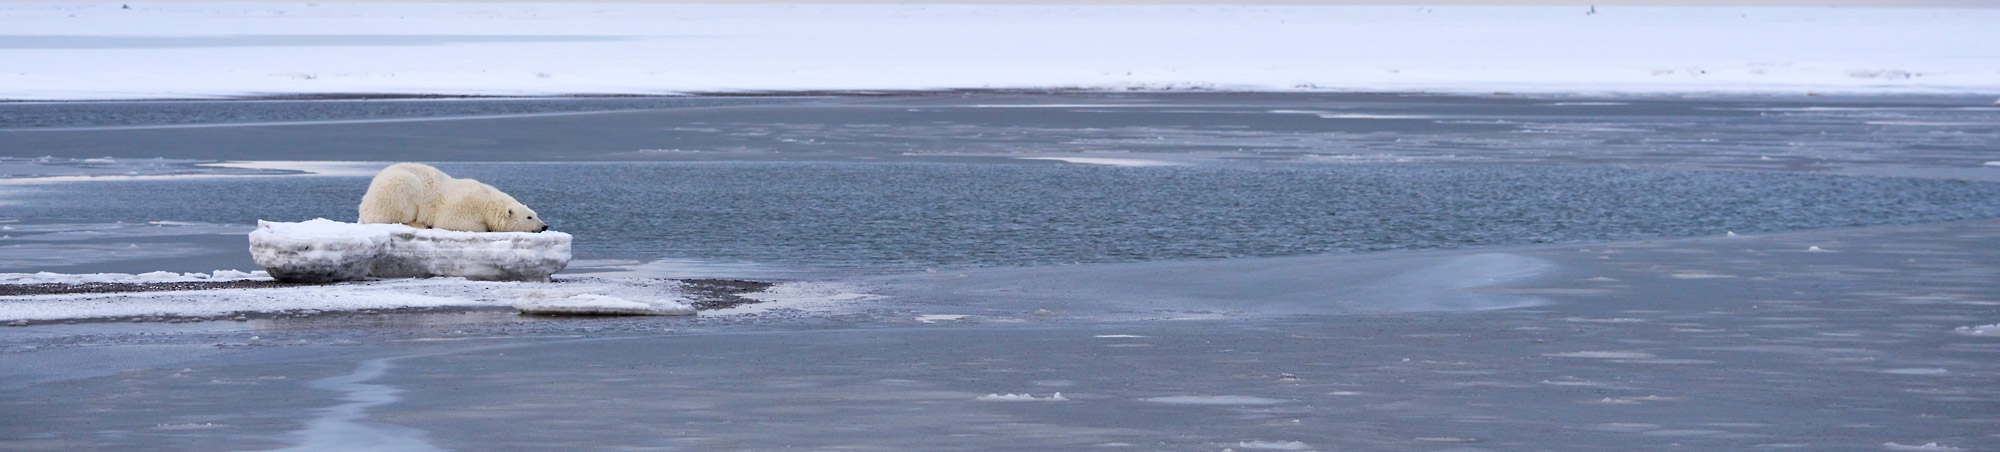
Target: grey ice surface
x=1641, y=327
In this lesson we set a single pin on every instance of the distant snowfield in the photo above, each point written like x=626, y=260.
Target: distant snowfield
x=72, y=51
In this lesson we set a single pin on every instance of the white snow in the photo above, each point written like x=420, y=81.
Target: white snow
x=1917, y=371
x=150, y=277
x=76, y=50
x=1926, y=446
x=1214, y=400
x=583, y=295
x=1058, y=397
x=320, y=250
x=934, y=318
x=323, y=250
x=800, y=295
x=1980, y=330
x=592, y=304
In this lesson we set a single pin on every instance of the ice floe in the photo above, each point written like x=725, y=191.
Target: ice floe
x=1980, y=330
x=581, y=296
x=323, y=250
x=149, y=277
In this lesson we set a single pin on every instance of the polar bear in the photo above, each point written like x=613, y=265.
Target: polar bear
x=421, y=196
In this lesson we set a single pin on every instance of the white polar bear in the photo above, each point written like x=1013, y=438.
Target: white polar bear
x=418, y=195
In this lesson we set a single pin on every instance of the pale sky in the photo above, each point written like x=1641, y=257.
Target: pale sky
x=1582, y=3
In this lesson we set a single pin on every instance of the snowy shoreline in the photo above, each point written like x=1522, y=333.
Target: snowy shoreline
x=61, y=51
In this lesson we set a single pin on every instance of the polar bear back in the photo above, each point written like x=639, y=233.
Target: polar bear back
x=421, y=196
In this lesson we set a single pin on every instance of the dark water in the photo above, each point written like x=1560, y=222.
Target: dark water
x=912, y=215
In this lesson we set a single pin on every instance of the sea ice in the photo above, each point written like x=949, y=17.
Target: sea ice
x=148, y=277
x=1981, y=330
x=323, y=250
x=592, y=304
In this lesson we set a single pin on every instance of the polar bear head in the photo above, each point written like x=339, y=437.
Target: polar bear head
x=519, y=218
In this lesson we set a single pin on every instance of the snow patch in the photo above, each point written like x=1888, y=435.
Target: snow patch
x=572, y=296
x=141, y=278
x=592, y=304
x=934, y=318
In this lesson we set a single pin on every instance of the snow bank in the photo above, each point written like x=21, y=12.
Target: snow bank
x=77, y=50
x=323, y=250
x=592, y=304
x=149, y=277
x=582, y=296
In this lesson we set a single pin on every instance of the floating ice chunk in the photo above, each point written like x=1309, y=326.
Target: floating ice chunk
x=1118, y=336
x=1981, y=330
x=1917, y=371
x=1274, y=445
x=1926, y=446
x=485, y=256
x=323, y=250
x=1993, y=163
x=320, y=250
x=934, y=318
x=1058, y=397
x=592, y=304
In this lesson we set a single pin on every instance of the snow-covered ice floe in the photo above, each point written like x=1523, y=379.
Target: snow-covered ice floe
x=323, y=250
x=581, y=296
x=149, y=277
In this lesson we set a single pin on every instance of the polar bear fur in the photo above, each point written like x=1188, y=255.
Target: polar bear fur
x=418, y=195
